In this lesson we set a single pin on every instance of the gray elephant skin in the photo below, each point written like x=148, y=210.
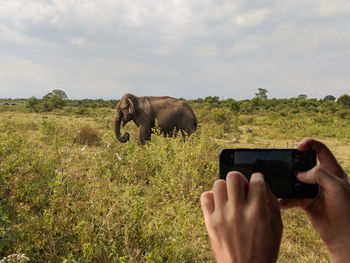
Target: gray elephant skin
x=172, y=115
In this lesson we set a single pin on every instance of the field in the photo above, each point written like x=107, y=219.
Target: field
x=70, y=192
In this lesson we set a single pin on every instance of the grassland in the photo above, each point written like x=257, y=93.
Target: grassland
x=69, y=192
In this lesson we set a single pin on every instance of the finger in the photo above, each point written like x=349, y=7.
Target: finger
x=324, y=156
x=272, y=200
x=318, y=175
x=207, y=204
x=257, y=191
x=236, y=184
x=274, y=212
x=220, y=194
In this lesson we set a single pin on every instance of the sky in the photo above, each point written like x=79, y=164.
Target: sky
x=180, y=48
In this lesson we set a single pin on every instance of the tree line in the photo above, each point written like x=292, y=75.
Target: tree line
x=57, y=99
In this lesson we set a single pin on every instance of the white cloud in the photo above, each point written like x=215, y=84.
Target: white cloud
x=333, y=8
x=174, y=47
x=78, y=41
x=207, y=51
x=27, y=78
x=252, y=18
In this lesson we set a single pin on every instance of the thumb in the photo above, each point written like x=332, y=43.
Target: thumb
x=318, y=175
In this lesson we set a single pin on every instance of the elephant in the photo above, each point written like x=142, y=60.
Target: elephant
x=172, y=115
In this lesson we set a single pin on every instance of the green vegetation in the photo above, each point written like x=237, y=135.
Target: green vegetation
x=262, y=93
x=56, y=92
x=70, y=192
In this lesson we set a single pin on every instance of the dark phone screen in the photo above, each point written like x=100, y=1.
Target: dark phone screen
x=248, y=162
x=279, y=167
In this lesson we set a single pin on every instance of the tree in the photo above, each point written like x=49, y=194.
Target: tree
x=212, y=101
x=33, y=104
x=51, y=103
x=329, y=98
x=56, y=92
x=231, y=103
x=344, y=100
x=261, y=93
x=302, y=96
x=57, y=102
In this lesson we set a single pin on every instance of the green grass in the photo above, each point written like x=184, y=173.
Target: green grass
x=114, y=202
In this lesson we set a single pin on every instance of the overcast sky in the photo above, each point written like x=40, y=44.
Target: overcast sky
x=181, y=48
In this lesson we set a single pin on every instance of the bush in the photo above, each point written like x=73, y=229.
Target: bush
x=87, y=135
x=33, y=104
x=344, y=100
x=344, y=114
x=81, y=111
x=47, y=127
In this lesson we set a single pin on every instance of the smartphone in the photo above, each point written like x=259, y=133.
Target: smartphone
x=279, y=166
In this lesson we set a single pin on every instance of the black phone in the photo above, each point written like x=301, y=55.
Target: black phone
x=279, y=166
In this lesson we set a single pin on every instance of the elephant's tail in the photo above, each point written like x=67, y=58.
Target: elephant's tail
x=195, y=122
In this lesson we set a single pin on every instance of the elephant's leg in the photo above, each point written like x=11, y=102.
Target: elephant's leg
x=144, y=133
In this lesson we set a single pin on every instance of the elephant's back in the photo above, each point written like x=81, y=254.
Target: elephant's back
x=177, y=114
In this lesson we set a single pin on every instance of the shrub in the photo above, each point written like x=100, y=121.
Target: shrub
x=87, y=135
x=47, y=127
x=81, y=111
x=232, y=104
x=344, y=100
x=33, y=104
x=51, y=103
x=344, y=114
x=213, y=102
x=328, y=106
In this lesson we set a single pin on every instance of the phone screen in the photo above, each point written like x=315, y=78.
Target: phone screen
x=248, y=162
x=279, y=167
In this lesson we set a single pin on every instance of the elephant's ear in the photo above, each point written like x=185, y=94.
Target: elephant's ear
x=131, y=107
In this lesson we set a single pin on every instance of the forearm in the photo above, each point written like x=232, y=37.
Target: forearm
x=339, y=253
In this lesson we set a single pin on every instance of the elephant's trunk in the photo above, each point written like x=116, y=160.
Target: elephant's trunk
x=116, y=126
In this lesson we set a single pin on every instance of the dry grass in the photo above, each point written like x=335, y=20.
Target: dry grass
x=65, y=204
x=87, y=135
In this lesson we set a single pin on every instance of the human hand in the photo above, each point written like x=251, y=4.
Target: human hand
x=329, y=212
x=243, y=220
